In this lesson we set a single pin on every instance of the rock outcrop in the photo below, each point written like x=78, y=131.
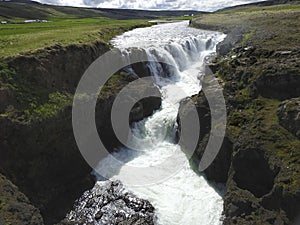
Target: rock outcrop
x=110, y=203
x=279, y=77
x=140, y=110
x=218, y=170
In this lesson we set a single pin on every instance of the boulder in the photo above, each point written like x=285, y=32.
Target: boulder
x=110, y=203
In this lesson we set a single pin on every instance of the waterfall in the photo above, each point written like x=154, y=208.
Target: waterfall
x=185, y=197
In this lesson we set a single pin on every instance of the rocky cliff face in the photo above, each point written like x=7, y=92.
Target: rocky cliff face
x=259, y=160
x=57, y=67
x=38, y=150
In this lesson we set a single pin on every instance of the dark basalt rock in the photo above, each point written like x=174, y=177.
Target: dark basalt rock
x=218, y=170
x=7, y=98
x=279, y=75
x=141, y=69
x=203, y=111
x=252, y=172
x=282, y=86
x=45, y=163
x=144, y=108
x=110, y=203
x=289, y=115
x=140, y=110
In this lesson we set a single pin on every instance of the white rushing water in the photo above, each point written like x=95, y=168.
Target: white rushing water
x=185, y=197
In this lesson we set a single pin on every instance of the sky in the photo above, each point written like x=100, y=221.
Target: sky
x=200, y=5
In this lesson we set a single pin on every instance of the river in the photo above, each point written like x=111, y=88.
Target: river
x=185, y=197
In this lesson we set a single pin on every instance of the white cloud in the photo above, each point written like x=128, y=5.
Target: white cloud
x=200, y=5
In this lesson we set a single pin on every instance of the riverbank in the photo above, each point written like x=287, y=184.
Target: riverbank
x=43, y=170
x=38, y=151
x=258, y=65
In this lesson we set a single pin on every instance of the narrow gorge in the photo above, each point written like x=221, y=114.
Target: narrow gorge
x=183, y=52
x=255, y=177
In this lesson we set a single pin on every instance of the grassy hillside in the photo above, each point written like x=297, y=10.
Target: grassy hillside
x=33, y=10
x=274, y=27
x=258, y=5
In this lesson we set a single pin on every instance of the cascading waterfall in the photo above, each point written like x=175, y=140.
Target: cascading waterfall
x=186, y=197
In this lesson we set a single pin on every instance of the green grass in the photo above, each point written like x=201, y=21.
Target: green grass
x=266, y=8
x=56, y=103
x=247, y=37
x=20, y=38
x=254, y=8
x=185, y=18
